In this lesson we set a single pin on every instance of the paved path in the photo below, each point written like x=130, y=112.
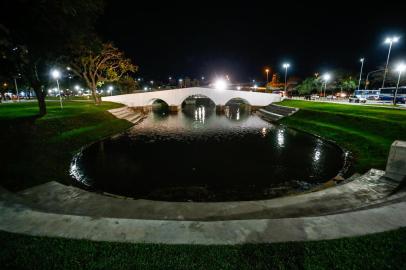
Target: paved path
x=367, y=189
x=20, y=219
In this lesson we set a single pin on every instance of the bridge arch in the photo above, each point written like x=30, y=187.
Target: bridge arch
x=237, y=100
x=196, y=98
x=175, y=97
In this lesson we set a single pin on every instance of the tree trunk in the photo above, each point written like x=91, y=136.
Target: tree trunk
x=40, y=97
x=96, y=98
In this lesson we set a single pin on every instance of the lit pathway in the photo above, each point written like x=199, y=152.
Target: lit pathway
x=17, y=218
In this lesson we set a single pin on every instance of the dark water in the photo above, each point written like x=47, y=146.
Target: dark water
x=198, y=155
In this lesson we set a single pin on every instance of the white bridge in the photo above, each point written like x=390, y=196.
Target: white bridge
x=175, y=97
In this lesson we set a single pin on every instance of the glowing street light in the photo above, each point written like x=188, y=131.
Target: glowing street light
x=400, y=69
x=56, y=74
x=286, y=66
x=267, y=75
x=326, y=77
x=390, y=41
x=362, y=60
x=220, y=84
x=181, y=83
x=111, y=88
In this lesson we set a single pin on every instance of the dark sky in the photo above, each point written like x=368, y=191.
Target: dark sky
x=194, y=38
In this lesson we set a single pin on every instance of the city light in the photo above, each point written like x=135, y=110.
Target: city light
x=220, y=84
x=286, y=66
x=55, y=74
x=111, y=88
x=267, y=75
x=400, y=67
x=77, y=87
x=390, y=40
x=360, y=73
x=326, y=77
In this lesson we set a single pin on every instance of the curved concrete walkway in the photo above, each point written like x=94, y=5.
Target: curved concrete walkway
x=20, y=219
x=367, y=189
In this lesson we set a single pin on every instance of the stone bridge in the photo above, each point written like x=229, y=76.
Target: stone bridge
x=175, y=97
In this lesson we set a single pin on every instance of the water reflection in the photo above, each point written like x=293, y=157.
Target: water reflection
x=199, y=155
x=281, y=137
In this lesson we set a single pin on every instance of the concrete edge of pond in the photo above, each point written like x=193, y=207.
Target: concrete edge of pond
x=54, y=197
x=19, y=219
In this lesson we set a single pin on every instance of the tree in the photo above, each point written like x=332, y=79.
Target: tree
x=99, y=64
x=308, y=86
x=37, y=32
x=127, y=85
x=347, y=83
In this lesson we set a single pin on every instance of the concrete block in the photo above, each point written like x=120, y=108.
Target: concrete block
x=396, y=165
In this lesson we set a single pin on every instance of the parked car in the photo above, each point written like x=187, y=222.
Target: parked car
x=314, y=97
x=355, y=99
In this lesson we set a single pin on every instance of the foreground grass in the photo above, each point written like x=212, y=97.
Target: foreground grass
x=366, y=131
x=37, y=150
x=379, y=251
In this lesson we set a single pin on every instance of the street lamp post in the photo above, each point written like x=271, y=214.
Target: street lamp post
x=15, y=83
x=56, y=75
x=286, y=66
x=111, y=88
x=326, y=78
x=360, y=73
x=400, y=69
x=390, y=41
x=369, y=73
x=267, y=75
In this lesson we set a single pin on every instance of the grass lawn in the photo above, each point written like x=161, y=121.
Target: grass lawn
x=380, y=251
x=366, y=131
x=37, y=150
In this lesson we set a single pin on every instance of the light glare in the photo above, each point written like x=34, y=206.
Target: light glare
x=220, y=84
x=401, y=67
x=55, y=74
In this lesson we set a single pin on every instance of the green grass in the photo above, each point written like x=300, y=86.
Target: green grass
x=380, y=251
x=37, y=150
x=366, y=131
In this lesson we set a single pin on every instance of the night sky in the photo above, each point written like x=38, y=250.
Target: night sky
x=195, y=38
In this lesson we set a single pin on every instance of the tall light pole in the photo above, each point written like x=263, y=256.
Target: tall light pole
x=267, y=75
x=400, y=69
x=15, y=84
x=111, y=88
x=326, y=78
x=369, y=73
x=362, y=60
x=286, y=66
x=56, y=74
x=390, y=41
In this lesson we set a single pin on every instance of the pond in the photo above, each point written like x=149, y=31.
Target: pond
x=201, y=155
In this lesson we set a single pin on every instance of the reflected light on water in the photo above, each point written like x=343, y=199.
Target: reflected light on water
x=317, y=155
x=281, y=138
x=200, y=114
x=264, y=131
